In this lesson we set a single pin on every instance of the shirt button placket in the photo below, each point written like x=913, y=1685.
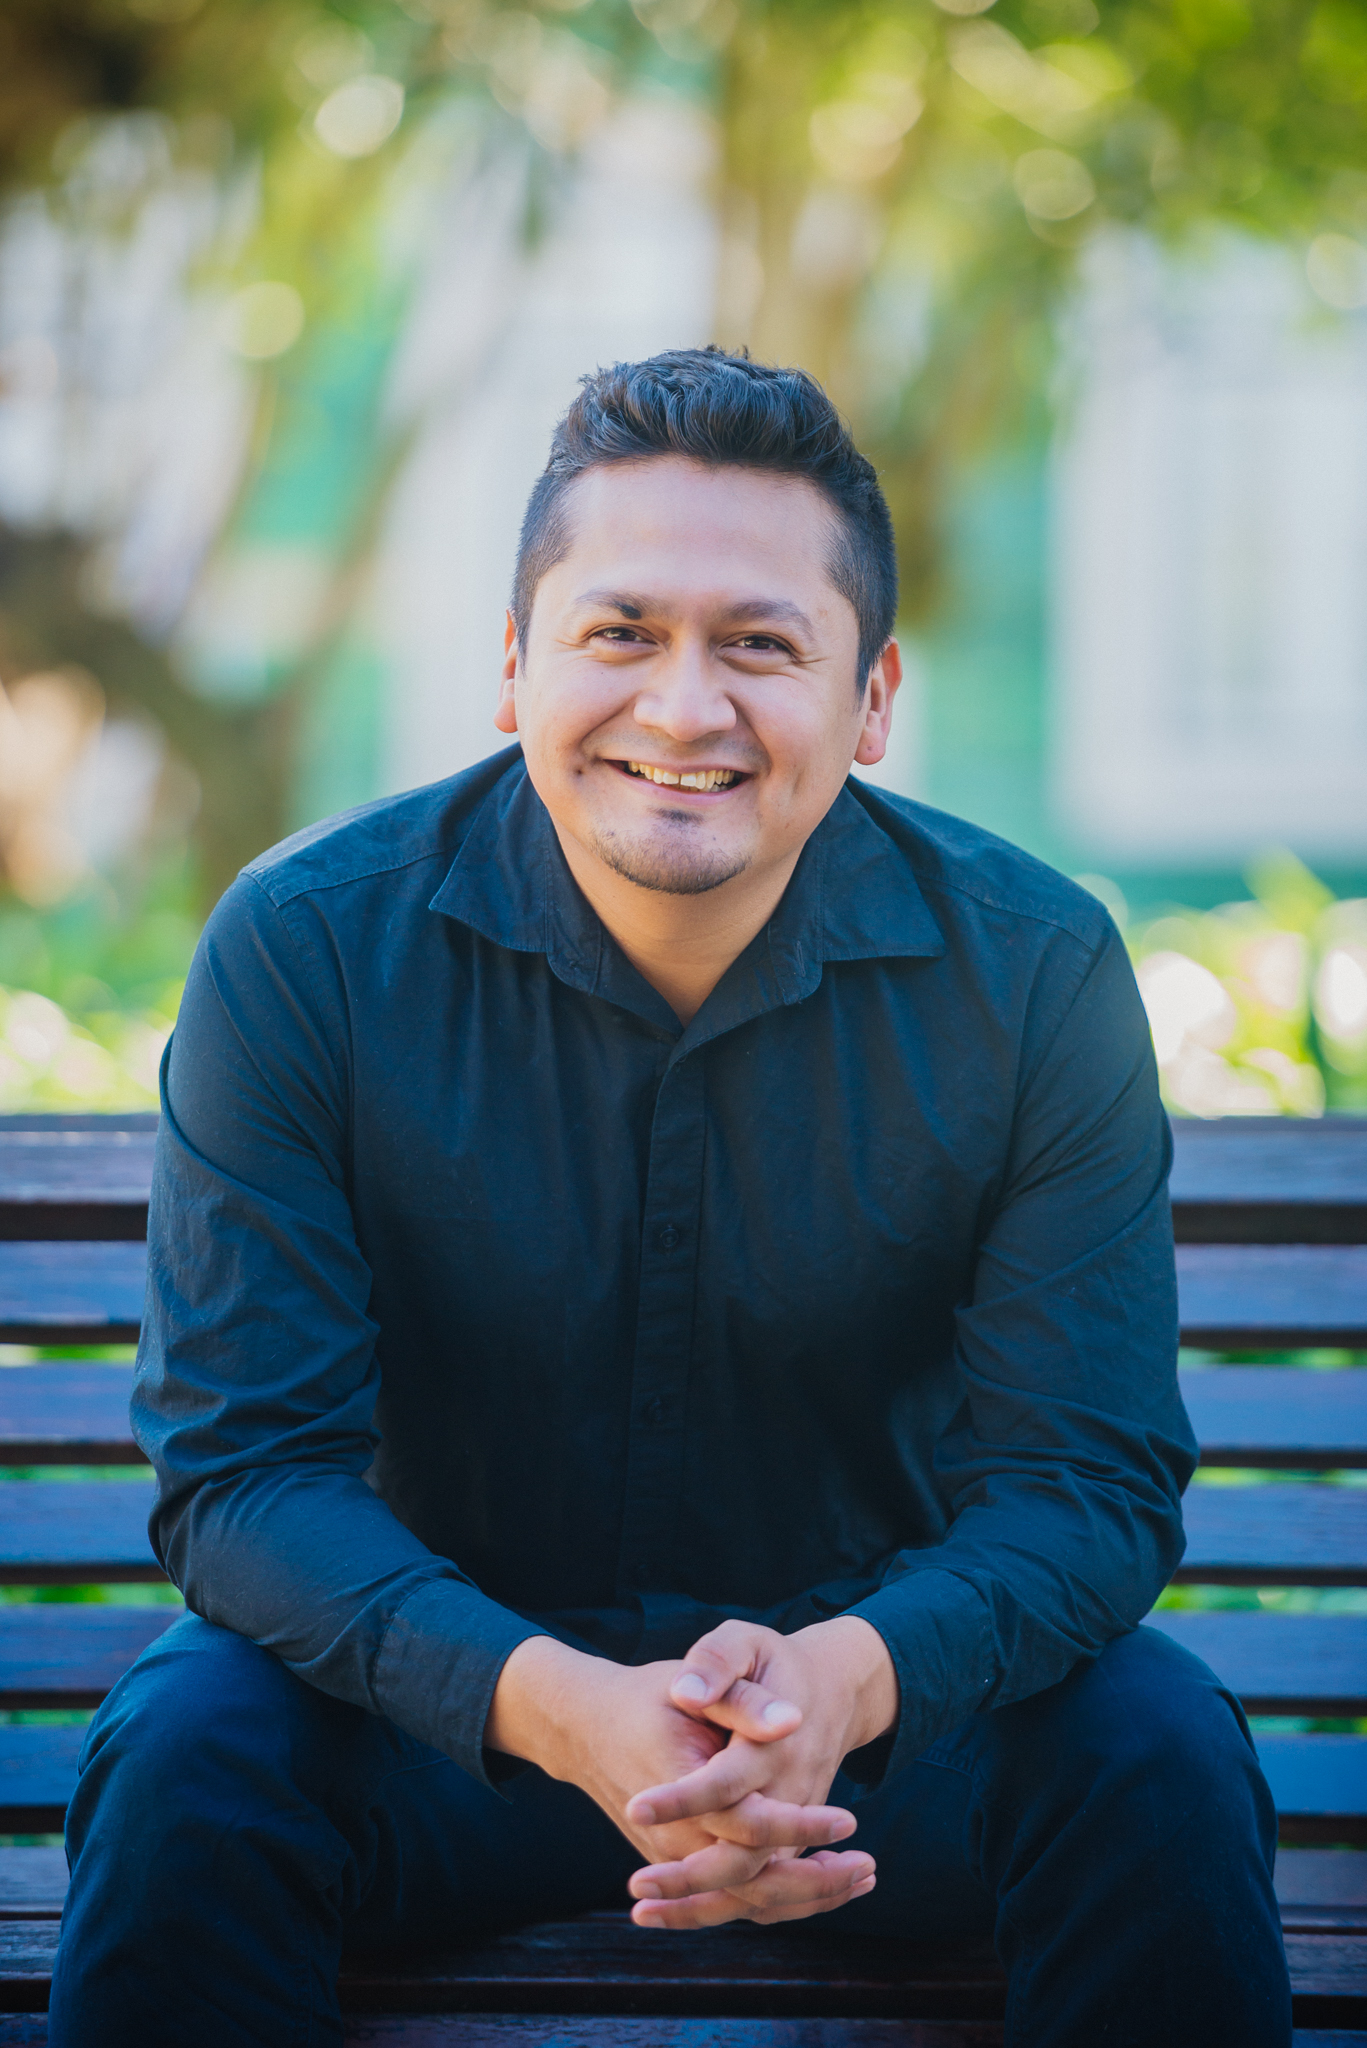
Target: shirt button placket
x=664, y=1325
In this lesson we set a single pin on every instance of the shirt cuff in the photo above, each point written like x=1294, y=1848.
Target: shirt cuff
x=939, y=1634
x=438, y=1663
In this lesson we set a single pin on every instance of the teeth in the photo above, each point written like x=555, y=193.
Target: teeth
x=698, y=778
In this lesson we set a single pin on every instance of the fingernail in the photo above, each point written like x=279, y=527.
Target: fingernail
x=842, y=1829
x=865, y=1884
x=778, y=1710
x=688, y=1686
x=647, y=1890
x=644, y=1816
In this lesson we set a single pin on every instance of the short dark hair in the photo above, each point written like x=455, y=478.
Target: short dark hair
x=723, y=410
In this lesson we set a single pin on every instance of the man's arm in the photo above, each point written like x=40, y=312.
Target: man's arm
x=1065, y=1464
x=257, y=1377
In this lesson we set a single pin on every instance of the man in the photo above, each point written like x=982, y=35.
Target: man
x=661, y=1335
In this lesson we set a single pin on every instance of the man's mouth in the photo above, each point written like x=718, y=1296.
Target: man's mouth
x=685, y=778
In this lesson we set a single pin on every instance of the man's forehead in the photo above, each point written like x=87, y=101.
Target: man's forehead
x=643, y=536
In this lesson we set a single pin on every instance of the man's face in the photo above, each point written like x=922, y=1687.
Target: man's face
x=686, y=700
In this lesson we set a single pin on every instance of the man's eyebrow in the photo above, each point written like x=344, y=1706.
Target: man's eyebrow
x=775, y=610
x=619, y=601
x=778, y=609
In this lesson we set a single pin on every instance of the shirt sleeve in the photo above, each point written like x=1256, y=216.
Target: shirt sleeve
x=1066, y=1460
x=257, y=1376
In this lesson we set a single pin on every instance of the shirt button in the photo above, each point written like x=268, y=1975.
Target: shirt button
x=654, y=1412
x=668, y=1238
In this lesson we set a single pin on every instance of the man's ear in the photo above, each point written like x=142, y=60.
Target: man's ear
x=505, y=718
x=884, y=681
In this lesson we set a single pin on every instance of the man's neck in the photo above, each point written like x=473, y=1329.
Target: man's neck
x=682, y=945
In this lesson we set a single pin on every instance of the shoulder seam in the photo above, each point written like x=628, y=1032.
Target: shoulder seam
x=932, y=879
x=929, y=882
x=318, y=884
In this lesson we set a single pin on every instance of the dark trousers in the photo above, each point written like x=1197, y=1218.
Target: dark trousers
x=233, y=1827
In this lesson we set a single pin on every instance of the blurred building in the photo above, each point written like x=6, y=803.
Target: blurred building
x=1155, y=665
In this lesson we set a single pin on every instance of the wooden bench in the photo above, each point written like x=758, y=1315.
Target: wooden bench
x=1271, y=1221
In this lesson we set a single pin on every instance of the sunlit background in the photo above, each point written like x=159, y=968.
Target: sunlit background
x=291, y=295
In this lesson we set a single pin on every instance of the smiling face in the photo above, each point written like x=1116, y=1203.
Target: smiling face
x=687, y=697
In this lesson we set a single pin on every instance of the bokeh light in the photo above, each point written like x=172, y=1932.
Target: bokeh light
x=359, y=117
x=1337, y=269
x=263, y=320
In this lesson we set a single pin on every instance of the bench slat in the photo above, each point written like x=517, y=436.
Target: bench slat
x=1321, y=1890
x=1319, y=1783
x=1237, y=1297
x=82, y=1532
x=1279, y=1663
x=739, y=1972
x=1231, y=1297
x=734, y=1989
x=1275, y=1416
x=1259, y=1415
x=69, y=1656
x=599, y=1964
x=33, y=1883
x=1270, y=1180
x=74, y=1183
x=540, y=2030
x=71, y=1293
x=67, y=1414
x=1240, y=1180
x=37, y=1778
x=77, y=1533
x=622, y=2030
x=483, y=2030
x=1276, y=1535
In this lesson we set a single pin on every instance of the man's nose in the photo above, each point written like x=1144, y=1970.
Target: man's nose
x=686, y=698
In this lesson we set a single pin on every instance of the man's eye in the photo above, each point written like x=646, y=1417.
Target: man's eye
x=763, y=643
x=616, y=633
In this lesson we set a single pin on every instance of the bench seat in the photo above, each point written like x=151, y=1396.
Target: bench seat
x=602, y=1967
x=1271, y=1220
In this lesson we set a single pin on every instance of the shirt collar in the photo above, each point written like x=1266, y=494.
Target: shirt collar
x=853, y=896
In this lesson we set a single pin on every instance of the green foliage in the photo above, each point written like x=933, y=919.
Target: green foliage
x=89, y=992
x=1259, y=1007
x=917, y=183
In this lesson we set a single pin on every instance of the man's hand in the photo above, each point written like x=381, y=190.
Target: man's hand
x=610, y=1729
x=751, y=1794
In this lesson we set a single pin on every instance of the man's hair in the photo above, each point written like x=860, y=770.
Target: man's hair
x=725, y=411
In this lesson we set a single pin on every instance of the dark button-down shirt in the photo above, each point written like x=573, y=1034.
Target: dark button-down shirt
x=486, y=1298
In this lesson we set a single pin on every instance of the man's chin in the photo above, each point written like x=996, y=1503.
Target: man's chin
x=670, y=870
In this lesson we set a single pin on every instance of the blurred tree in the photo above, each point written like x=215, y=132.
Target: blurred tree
x=911, y=187
x=907, y=189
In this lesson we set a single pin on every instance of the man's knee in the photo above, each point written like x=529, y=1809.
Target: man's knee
x=208, y=1732
x=1145, y=1732
x=198, y=1694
